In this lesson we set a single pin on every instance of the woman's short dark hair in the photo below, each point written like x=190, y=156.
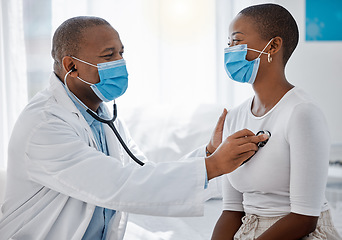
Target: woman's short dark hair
x=273, y=20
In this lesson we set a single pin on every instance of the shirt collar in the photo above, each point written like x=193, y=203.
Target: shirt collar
x=101, y=112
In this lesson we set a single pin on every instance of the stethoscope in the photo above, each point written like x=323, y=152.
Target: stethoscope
x=260, y=144
x=109, y=122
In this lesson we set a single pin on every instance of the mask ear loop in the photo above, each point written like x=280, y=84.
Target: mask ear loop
x=264, y=50
x=90, y=84
x=90, y=64
x=71, y=93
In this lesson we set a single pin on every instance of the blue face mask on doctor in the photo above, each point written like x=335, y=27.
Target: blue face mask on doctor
x=113, y=79
x=238, y=67
x=113, y=83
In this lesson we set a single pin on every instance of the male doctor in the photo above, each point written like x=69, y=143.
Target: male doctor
x=69, y=177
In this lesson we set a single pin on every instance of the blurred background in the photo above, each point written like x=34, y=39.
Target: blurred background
x=173, y=49
x=177, y=83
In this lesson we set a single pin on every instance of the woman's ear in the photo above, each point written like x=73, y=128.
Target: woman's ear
x=69, y=65
x=276, y=45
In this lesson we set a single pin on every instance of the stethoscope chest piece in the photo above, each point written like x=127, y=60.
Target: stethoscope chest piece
x=268, y=133
x=260, y=144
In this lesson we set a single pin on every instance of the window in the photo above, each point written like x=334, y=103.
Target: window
x=173, y=48
x=37, y=27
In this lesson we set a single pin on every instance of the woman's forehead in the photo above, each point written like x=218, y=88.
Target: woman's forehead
x=242, y=25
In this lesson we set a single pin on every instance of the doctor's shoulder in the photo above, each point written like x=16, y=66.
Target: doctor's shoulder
x=44, y=112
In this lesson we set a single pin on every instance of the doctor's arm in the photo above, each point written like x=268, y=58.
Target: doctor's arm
x=224, y=156
x=227, y=155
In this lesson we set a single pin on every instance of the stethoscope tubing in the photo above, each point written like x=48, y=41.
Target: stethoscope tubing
x=110, y=123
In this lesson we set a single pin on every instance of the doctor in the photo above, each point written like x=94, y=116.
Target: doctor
x=69, y=177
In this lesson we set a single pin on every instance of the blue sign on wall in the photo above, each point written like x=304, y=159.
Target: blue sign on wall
x=324, y=20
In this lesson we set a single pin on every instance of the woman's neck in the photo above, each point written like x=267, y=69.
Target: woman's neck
x=268, y=92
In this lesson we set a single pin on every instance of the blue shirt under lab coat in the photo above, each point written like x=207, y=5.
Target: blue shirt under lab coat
x=97, y=228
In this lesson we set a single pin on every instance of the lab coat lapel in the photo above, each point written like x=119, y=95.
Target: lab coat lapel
x=57, y=88
x=114, y=147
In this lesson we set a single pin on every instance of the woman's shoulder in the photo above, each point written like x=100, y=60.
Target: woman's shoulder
x=303, y=109
x=300, y=99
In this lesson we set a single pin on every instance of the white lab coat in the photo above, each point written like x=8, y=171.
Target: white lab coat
x=56, y=176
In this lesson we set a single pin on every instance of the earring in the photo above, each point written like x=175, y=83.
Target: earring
x=269, y=58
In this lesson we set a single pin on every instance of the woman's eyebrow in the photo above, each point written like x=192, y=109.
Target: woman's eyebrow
x=234, y=33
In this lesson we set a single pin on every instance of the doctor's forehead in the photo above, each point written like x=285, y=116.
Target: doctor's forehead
x=100, y=38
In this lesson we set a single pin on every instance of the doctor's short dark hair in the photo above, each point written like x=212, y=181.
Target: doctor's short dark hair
x=69, y=34
x=273, y=20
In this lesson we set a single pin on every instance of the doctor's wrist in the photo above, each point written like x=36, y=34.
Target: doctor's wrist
x=209, y=149
x=207, y=153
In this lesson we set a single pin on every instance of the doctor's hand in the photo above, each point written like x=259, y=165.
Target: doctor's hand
x=232, y=152
x=216, y=137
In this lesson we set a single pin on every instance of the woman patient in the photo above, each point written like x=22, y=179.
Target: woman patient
x=280, y=194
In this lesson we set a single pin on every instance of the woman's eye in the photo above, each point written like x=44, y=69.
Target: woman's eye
x=234, y=42
x=121, y=53
x=108, y=55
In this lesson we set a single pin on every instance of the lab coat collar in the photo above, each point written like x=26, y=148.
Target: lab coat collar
x=57, y=88
x=61, y=96
x=101, y=111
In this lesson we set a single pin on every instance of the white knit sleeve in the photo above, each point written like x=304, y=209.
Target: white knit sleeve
x=309, y=142
x=232, y=199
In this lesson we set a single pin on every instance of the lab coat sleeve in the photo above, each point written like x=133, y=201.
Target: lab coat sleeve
x=125, y=134
x=199, y=152
x=57, y=157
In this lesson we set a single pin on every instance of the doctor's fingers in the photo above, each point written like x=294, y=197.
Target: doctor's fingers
x=246, y=147
x=249, y=139
x=244, y=156
x=241, y=134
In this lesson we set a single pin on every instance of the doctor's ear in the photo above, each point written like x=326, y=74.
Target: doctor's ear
x=69, y=65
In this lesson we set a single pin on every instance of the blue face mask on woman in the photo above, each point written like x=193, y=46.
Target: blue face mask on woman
x=113, y=79
x=237, y=67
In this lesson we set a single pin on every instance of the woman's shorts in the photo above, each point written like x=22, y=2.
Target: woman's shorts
x=253, y=226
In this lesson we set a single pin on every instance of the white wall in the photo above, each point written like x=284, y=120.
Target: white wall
x=316, y=67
